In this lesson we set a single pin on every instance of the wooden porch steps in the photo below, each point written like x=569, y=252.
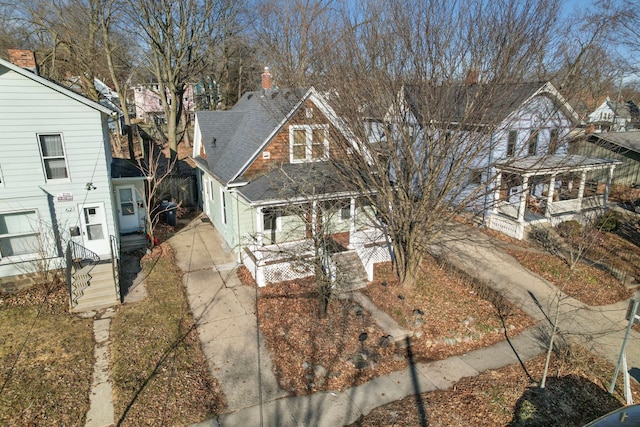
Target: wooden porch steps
x=350, y=274
x=101, y=290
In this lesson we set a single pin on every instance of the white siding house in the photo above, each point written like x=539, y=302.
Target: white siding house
x=55, y=183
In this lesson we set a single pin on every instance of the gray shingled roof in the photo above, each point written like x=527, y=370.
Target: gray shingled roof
x=231, y=138
x=629, y=140
x=293, y=181
x=477, y=104
x=125, y=168
x=554, y=163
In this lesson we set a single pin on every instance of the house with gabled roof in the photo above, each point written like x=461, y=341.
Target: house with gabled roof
x=64, y=204
x=520, y=174
x=268, y=184
x=615, y=116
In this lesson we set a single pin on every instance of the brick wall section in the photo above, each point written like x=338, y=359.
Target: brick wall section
x=278, y=148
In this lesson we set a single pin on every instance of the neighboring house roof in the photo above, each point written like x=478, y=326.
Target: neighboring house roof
x=457, y=103
x=557, y=163
x=125, y=168
x=55, y=86
x=629, y=140
x=618, y=109
x=233, y=139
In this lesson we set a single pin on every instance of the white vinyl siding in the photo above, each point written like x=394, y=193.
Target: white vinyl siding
x=53, y=156
x=19, y=233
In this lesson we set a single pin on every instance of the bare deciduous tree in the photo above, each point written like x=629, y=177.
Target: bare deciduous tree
x=438, y=77
x=174, y=35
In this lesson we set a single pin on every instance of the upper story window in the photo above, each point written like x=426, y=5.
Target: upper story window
x=19, y=233
x=554, y=140
x=53, y=156
x=308, y=143
x=533, y=142
x=511, y=143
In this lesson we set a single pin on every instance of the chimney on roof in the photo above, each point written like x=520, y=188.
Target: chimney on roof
x=267, y=80
x=472, y=78
x=23, y=58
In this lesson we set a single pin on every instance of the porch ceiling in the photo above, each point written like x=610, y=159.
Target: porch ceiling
x=557, y=163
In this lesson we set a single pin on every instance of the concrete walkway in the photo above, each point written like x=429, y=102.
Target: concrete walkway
x=100, y=411
x=224, y=311
x=225, y=314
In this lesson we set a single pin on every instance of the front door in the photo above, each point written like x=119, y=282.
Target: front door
x=127, y=209
x=94, y=228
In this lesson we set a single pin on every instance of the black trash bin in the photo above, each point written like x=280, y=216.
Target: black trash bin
x=169, y=210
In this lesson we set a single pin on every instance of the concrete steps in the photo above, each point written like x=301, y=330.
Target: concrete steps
x=350, y=274
x=101, y=290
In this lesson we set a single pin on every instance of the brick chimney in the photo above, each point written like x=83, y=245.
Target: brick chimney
x=267, y=81
x=472, y=78
x=23, y=58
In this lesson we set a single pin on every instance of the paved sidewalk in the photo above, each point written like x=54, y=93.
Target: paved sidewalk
x=224, y=311
x=225, y=314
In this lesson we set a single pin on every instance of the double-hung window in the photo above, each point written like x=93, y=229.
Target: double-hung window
x=511, y=143
x=533, y=142
x=53, y=156
x=308, y=143
x=19, y=233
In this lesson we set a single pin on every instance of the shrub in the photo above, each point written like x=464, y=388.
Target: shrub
x=544, y=238
x=609, y=221
x=569, y=229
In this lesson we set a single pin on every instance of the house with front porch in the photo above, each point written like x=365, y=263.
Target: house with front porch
x=270, y=189
x=521, y=173
x=60, y=209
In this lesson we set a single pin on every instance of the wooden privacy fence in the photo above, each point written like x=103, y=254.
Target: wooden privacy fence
x=181, y=189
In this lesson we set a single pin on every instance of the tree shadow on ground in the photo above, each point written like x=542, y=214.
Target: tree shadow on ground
x=566, y=401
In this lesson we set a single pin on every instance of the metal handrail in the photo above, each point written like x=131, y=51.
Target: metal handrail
x=115, y=265
x=81, y=254
x=77, y=257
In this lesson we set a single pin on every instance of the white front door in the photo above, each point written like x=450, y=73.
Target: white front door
x=94, y=228
x=128, y=209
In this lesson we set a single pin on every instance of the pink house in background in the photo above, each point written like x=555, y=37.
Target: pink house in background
x=149, y=105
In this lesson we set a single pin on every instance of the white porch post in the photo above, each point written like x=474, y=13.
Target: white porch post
x=552, y=185
x=496, y=193
x=523, y=198
x=314, y=217
x=352, y=222
x=607, y=188
x=259, y=226
x=583, y=179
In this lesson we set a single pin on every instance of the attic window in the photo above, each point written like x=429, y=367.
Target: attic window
x=308, y=112
x=308, y=143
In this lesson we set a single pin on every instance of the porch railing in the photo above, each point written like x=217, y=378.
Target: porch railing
x=115, y=265
x=79, y=262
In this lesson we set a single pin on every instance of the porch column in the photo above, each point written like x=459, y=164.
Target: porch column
x=352, y=222
x=583, y=179
x=314, y=217
x=259, y=226
x=523, y=198
x=552, y=185
x=607, y=188
x=496, y=193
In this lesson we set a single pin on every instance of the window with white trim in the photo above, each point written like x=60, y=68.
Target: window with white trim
x=308, y=143
x=223, y=199
x=19, y=233
x=53, y=156
x=271, y=219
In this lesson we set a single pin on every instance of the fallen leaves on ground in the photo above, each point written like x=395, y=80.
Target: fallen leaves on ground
x=585, y=283
x=46, y=358
x=575, y=394
x=160, y=374
x=312, y=354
